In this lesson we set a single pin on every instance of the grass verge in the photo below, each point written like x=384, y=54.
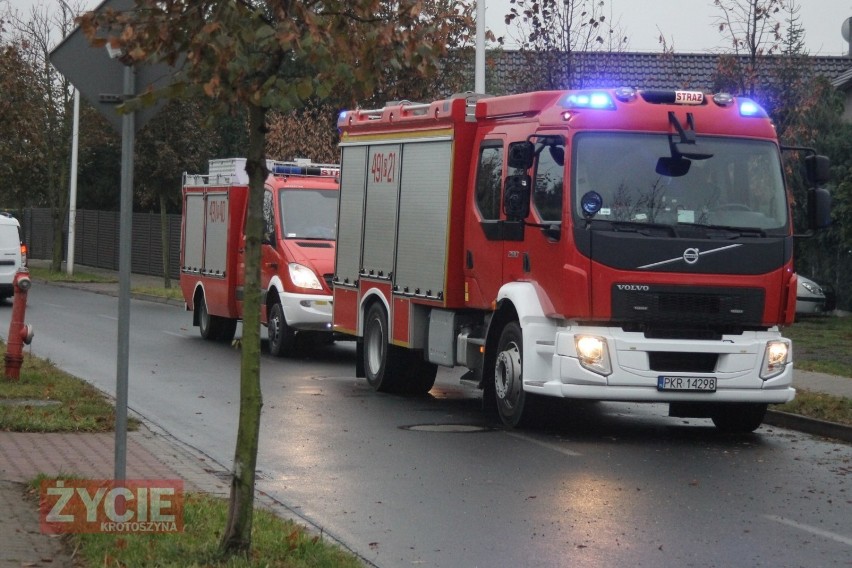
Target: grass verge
x=821, y=406
x=44, y=273
x=47, y=399
x=822, y=344
x=275, y=542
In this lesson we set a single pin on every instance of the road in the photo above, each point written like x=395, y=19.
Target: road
x=429, y=482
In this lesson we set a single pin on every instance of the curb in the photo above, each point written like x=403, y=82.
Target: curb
x=99, y=288
x=807, y=425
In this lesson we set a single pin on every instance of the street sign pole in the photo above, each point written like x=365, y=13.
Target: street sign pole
x=125, y=235
x=99, y=78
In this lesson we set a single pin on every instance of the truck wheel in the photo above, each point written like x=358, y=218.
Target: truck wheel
x=509, y=391
x=383, y=362
x=418, y=378
x=209, y=326
x=738, y=418
x=282, y=338
x=229, y=329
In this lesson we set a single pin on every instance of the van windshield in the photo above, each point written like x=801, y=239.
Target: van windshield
x=740, y=186
x=308, y=213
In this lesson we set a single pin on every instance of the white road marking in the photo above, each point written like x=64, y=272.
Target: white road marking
x=813, y=530
x=174, y=333
x=113, y=318
x=549, y=446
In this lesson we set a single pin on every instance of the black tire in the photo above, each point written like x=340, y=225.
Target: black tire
x=738, y=418
x=282, y=338
x=229, y=329
x=419, y=375
x=383, y=362
x=511, y=400
x=209, y=326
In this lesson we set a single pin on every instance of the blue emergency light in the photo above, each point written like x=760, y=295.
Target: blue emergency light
x=287, y=169
x=588, y=99
x=751, y=109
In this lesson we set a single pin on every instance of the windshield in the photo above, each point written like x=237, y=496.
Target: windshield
x=309, y=213
x=739, y=187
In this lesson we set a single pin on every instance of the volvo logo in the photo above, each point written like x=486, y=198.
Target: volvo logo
x=634, y=287
x=690, y=255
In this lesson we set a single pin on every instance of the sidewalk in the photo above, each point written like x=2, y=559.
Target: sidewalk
x=154, y=455
x=24, y=455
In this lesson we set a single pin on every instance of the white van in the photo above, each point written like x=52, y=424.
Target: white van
x=13, y=254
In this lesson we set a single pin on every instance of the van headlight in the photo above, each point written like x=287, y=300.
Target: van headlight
x=304, y=277
x=593, y=353
x=775, y=358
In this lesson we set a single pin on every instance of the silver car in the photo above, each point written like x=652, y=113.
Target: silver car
x=810, y=297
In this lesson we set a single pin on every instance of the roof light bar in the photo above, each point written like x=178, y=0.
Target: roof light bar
x=600, y=100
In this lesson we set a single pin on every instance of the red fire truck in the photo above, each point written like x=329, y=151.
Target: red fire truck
x=300, y=213
x=612, y=244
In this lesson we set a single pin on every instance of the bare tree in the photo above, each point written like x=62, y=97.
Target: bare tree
x=752, y=31
x=551, y=34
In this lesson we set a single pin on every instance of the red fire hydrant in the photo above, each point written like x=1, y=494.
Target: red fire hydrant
x=19, y=332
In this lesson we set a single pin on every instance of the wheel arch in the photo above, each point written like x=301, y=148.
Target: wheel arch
x=198, y=294
x=520, y=301
x=370, y=297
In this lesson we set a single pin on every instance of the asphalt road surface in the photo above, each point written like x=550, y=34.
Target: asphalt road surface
x=431, y=482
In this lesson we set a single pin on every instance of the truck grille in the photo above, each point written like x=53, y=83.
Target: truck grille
x=688, y=306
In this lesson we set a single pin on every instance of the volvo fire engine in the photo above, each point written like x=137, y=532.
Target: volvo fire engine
x=297, y=257
x=618, y=244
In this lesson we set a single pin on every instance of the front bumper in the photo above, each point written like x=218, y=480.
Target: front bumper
x=737, y=368
x=308, y=312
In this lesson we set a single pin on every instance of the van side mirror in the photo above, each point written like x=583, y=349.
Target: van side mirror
x=817, y=169
x=516, y=197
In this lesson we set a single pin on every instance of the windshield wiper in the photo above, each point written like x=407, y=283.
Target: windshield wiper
x=647, y=229
x=729, y=232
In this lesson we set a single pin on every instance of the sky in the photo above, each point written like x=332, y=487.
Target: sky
x=688, y=25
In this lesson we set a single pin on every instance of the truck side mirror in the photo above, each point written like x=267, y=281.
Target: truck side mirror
x=819, y=208
x=521, y=155
x=817, y=169
x=516, y=197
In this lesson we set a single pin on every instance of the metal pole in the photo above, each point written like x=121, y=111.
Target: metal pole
x=125, y=235
x=72, y=207
x=479, y=73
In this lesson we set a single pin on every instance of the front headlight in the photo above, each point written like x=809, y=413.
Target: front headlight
x=778, y=353
x=304, y=277
x=811, y=288
x=593, y=353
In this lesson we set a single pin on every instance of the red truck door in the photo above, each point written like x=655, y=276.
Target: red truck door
x=483, y=259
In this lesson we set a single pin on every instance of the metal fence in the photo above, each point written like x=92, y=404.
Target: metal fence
x=96, y=242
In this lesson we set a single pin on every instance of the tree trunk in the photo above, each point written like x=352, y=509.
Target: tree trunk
x=164, y=239
x=236, y=538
